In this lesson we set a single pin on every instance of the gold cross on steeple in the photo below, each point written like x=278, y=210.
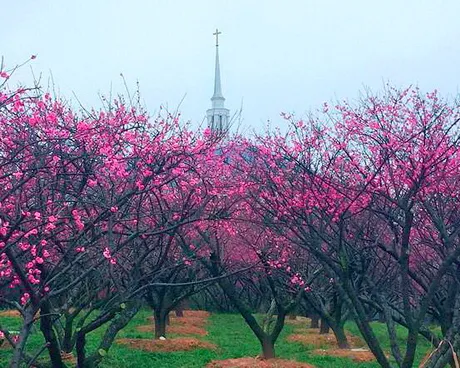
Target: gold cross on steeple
x=217, y=33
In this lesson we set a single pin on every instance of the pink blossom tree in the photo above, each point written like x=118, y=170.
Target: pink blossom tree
x=73, y=191
x=365, y=177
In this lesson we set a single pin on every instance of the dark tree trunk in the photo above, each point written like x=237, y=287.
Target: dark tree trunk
x=67, y=341
x=23, y=336
x=359, y=315
x=314, y=321
x=180, y=308
x=267, y=340
x=46, y=326
x=342, y=341
x=80, y=347
x=268, y=348
x=324, y=327
x=118, y=323
x=160, y=324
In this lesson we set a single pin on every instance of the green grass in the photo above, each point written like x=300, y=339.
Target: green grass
x=228, y=331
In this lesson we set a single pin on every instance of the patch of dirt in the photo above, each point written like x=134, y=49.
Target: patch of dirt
x=10, y=313
x=15, y=313
x=191, y=321
x=357, y=355
x=257, y=363
x=313, y=338
x=191, y=318
x=194, y=313
x=299, y=321
x=184, y=329
x=68, y=358
x=168, y=345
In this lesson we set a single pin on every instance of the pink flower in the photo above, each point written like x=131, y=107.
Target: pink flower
x=50, y=227
x=33, y=121
x=139, y=185
x=32, y=279
x=52, y=218
x=106, y=253
x=114, y=209
x=31, y=232
x=25, y=298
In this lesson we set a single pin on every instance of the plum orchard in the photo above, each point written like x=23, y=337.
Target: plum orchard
x=370, y=191
x=89, y=205
x=350, y=215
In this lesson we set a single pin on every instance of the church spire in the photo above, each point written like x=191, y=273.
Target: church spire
x=217, y=115
x=217, y=97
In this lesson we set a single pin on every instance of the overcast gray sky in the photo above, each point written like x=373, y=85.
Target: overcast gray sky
x=276, y=56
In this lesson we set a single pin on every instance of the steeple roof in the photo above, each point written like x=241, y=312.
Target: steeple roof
x=218, y=116
x=217, y=98
x=217, y=83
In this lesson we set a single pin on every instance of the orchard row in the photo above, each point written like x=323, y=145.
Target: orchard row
x=354, y=213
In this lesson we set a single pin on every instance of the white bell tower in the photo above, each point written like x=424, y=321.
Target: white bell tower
x=218, y=116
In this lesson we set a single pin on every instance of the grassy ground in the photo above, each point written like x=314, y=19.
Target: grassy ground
x=227, y=331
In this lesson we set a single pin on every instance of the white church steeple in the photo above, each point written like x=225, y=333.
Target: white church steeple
x=218, y=116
